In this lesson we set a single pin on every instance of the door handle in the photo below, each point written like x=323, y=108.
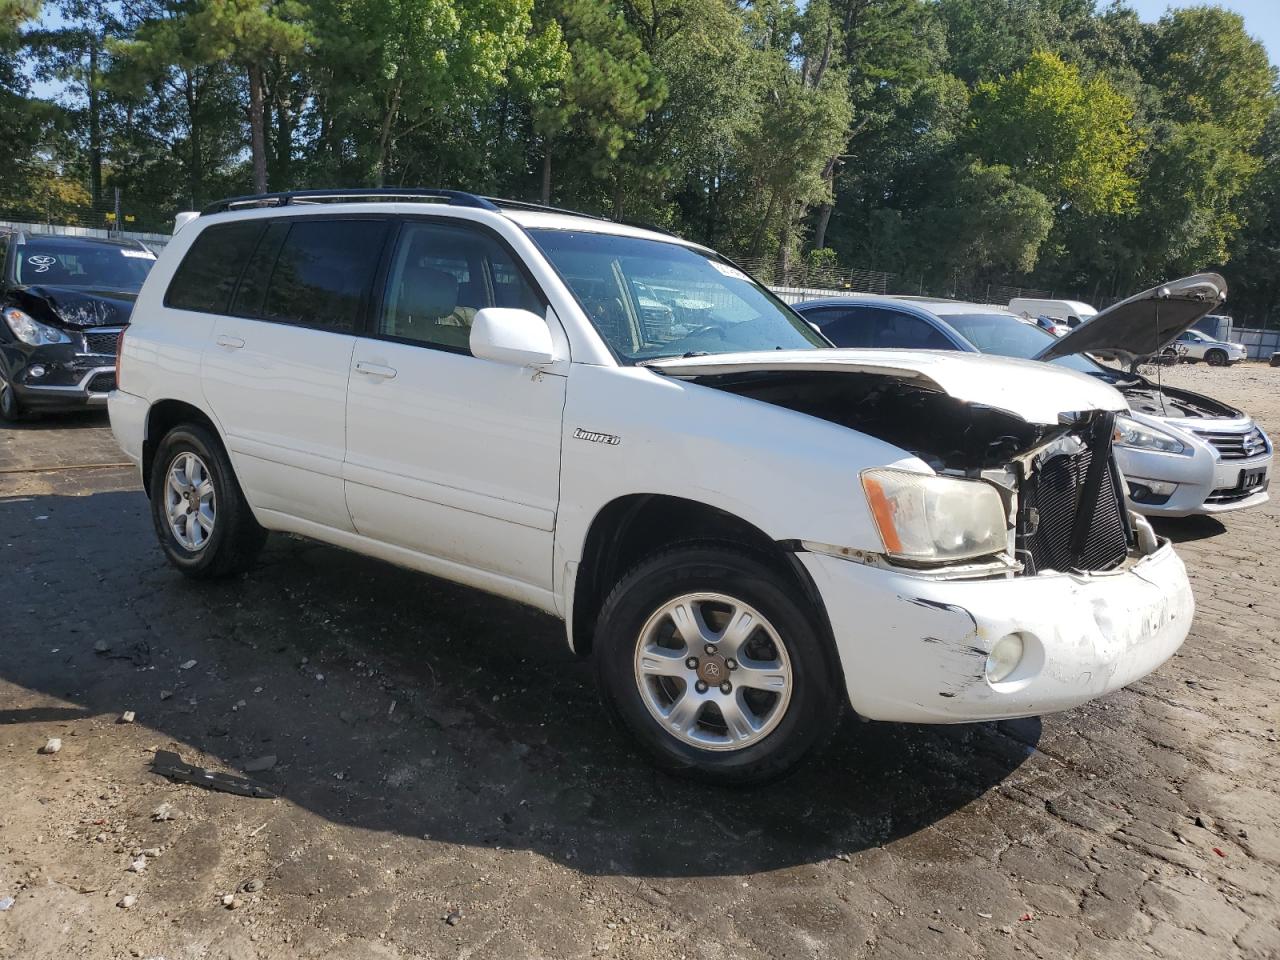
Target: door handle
x=231, y=343
x=375, y=370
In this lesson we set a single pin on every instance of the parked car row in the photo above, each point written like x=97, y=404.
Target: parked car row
x=1180, y=452
x=749, y=529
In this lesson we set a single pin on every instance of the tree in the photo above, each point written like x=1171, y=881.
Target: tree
x=1069, y=137
x=248, y=33
x=606, y=88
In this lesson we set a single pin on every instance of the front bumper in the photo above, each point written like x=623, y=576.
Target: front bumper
x=58, y=376
x=914, y=648
x=1205, y=483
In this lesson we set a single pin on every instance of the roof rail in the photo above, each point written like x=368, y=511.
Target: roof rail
x=539, y=207
x=455, y=198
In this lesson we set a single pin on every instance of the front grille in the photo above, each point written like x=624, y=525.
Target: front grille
x=102, y=383
x=1236, y=446
x=1052, y=501
x=103, y=342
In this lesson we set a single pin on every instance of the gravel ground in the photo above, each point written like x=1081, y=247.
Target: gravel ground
x=439, y=754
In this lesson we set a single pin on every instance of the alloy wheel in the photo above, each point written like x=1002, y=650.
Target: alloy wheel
x=713, y=671
x=190, y=501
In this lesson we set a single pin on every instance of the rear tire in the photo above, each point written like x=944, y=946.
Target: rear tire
x=203, y=522
x=775, y=692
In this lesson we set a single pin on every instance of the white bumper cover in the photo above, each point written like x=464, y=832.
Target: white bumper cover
x=128, y=422
x=914, y=649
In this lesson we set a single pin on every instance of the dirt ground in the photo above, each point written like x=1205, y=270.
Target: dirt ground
x=437, y=752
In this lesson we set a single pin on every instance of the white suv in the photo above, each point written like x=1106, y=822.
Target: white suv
x=745, y=528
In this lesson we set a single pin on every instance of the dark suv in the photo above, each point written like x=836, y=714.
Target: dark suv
x=64, y=301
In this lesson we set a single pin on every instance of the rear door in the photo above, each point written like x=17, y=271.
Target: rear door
x=449, y=455
x=275, y=370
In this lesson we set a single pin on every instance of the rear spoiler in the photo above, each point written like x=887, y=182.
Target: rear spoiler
x=183, y=218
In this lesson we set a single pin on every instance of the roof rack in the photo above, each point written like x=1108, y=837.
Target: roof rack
x=539, y=207
x=455, y=198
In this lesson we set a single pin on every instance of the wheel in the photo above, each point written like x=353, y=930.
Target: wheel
x=10, y=407
x=1168, y=357
x=706, y=657
x=205, y=526
x=1216, y=358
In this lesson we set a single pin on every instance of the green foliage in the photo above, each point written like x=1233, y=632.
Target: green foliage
x=955, y=143
x=1069, y=137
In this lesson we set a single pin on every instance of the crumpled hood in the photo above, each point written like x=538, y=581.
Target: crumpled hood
x=1027, y=389
x=78, y=307
x=1143, y=324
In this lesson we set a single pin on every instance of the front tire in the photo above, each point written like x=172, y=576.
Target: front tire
x=203, y=522
x=708, y=659
x=11, y=410
x=1216, y=358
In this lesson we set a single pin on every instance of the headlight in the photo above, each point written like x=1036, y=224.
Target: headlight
x=931, y=519
x=1131, y=433
x=32, y=331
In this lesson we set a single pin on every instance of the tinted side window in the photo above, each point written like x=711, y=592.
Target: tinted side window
x=846, y=326
x=208, y=273
x=323, y=273
x=878, y=327
x=441, y=276
x=253, y=285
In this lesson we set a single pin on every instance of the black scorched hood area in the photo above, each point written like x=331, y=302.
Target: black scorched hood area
x=77, y=307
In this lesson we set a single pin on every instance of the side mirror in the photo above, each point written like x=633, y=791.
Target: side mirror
x=509, y=335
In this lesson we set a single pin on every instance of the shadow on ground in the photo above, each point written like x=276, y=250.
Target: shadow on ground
x=68, y=420
x=1188, y=529
x=400, y=703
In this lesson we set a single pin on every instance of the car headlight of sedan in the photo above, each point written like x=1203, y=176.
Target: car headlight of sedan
x=1131, y=433
x=32, y=331
x=930, y=519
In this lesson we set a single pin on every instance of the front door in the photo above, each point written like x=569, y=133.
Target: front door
x=448, y=455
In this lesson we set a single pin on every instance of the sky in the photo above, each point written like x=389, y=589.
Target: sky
x=1261, y=17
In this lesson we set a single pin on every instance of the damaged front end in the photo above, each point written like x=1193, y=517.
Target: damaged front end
x=1062, y=494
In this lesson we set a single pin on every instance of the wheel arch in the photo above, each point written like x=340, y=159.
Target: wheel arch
x=632, y=527
x=162, y=417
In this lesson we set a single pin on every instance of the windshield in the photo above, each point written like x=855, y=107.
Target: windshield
x=1009, y=336
x=98, y=265
x=652, y=299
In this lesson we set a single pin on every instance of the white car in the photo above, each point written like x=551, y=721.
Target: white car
x=1193, y=346
x=746, y=529
x=1068, y=313
x=1182, y=453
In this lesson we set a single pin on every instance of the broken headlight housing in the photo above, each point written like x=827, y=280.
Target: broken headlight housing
x=32, y=331
x=1131, y=433
x=925, y=518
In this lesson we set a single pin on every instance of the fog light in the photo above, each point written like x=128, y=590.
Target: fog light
x=1161, y=488
x=1004, y=657
x=36, y=372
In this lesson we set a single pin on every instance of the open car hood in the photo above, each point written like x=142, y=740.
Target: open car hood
x=1025, y=388
x=1143, y=324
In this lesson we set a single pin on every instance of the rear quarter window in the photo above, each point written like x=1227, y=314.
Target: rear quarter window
x=208, y=274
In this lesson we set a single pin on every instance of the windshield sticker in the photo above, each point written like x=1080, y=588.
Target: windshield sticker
x=733, y=273
x=139, y=254
x=42, y=262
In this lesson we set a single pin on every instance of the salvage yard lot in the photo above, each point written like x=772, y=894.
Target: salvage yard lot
x=440, y=752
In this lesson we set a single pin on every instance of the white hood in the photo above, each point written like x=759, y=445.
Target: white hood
x=1028, y=389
